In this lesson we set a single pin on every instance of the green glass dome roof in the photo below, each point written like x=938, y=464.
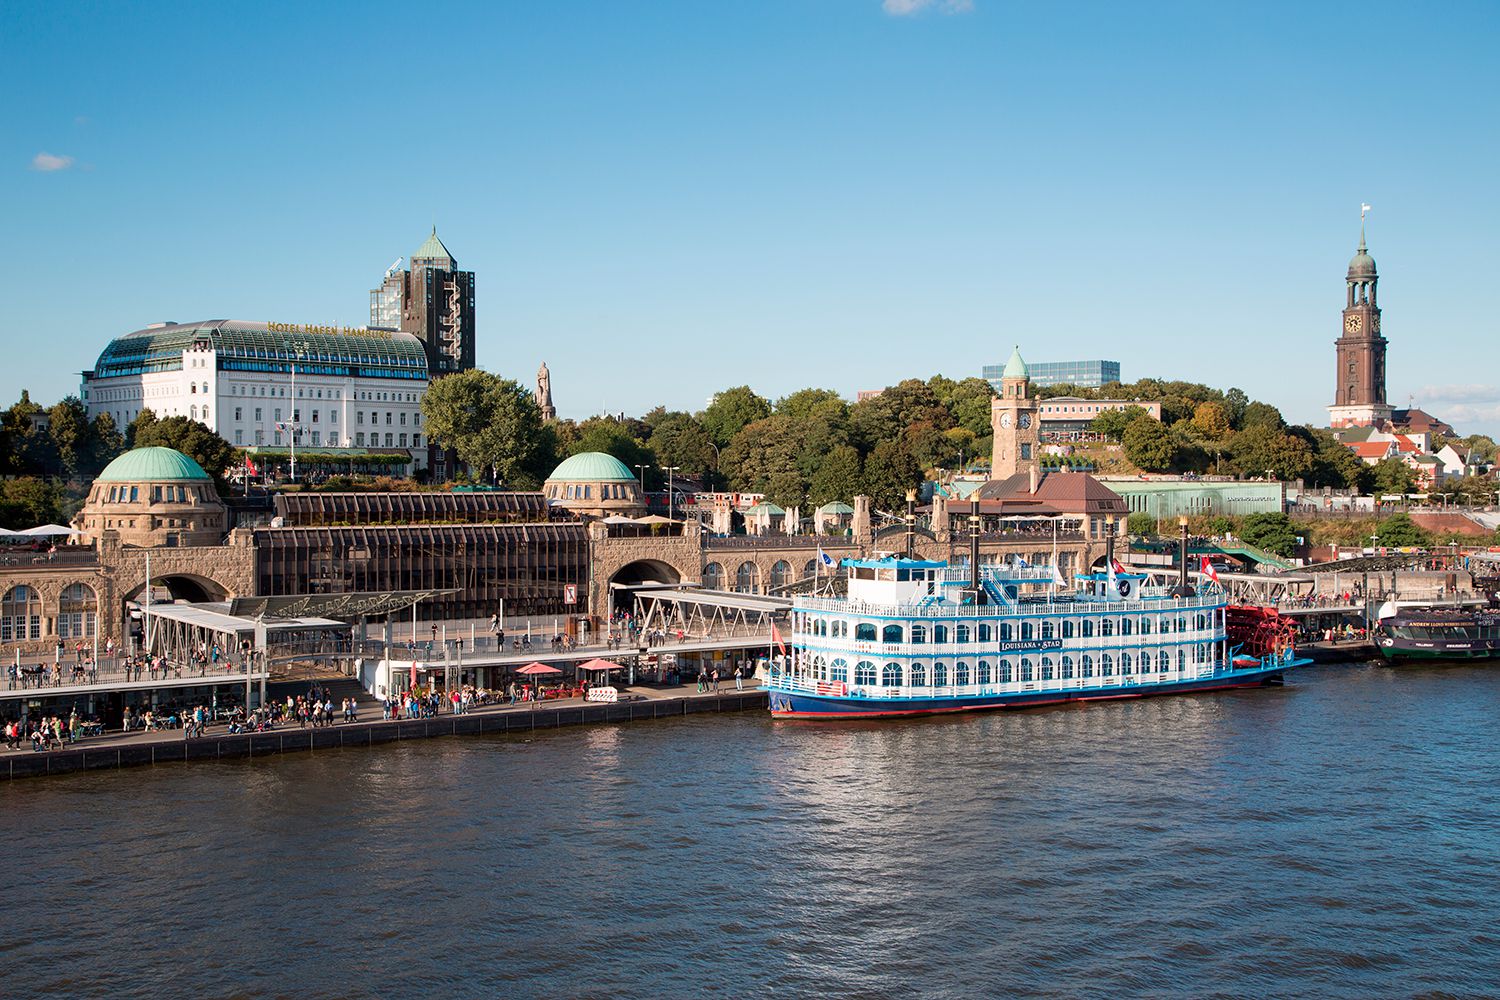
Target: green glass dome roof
x=152, y=465
x=593, y=467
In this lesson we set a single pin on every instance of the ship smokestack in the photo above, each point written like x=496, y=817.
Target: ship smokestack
x=911, y=524
x=974, y=585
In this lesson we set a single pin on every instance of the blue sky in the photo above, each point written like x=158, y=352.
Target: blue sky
x=663, y=199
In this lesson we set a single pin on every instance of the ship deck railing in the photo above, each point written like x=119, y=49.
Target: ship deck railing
x=1151, y=599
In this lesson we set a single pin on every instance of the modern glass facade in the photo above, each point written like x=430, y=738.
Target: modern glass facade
x=1088, y=374
x=526, y=565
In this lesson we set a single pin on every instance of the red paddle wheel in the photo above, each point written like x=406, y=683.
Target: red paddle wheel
x=1258, y=631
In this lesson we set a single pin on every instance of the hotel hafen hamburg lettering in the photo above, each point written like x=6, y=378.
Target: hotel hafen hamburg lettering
x=914, y=637
x=331, y=331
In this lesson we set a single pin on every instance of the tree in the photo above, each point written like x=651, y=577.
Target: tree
x=967, y=402
x=491, y=422
x=1260, y=449
x=884, y=417
x=1235, y=402
x=1391, y=476
x=1259, y=414
x=194, y=440
x=678, y=439
x=71, y=433
x=28, y=501
x=837, y=477
x=613, y=437
x=1210, y=420
x=1140, y=524
x=106, y=444
x=731, y=412
x=815, y=404
x=1272, y=532
x=1334, y=464
x=889, y=472
x=1111, y=424
x=762, y=455
x=142, y=420
x=1400, y=530
x=1147, y=444
x=28, y=449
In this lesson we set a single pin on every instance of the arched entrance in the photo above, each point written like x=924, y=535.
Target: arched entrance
x=642, y=572
x=181, y=588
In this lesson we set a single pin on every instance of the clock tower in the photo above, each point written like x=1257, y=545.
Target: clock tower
x=1013, y=418
x=1359, y=382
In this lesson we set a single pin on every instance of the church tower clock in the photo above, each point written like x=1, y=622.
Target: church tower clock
x=1359, y=381
x=1013, y=418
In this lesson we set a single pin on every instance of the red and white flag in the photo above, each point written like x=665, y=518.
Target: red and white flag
x=776, y=638
x=1208, y=570
x=250, y=469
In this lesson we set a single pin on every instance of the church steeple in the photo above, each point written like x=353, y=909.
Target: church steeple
x=1359, y=381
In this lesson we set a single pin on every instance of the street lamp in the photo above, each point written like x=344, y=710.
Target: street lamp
x=669, y=469
x=300, y=350
x=643, y=469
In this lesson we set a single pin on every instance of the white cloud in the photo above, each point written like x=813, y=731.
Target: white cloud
x=1460, y=393
x=47, y=163
x=906, y=8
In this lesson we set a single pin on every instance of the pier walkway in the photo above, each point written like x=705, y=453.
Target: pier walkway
x=116, y=750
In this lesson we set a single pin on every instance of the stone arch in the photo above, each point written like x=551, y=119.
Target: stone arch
x=747, y=577
x=188, y=588
x=646, y=571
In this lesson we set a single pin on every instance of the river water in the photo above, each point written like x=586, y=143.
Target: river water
x=1339, y=836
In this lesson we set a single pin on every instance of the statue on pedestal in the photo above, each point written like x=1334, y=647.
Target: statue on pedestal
x=544, y=394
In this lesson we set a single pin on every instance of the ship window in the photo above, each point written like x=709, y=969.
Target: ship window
x=1067, y=628
x=1004, y=671
x=1125, y=665
x=891, y=634
x=919, y=634
x=961, y=633
x=864, y=672
x=940, y=675
x=939, y=633
x=1087, y=629
x=1067, y=668
x=838, y=671
x=1181, y=623
x=1200, y=622
x=890, y=675
x=1086, y=665
x=1046, y=668
x=1106, y=666
x=984, y=632
x=1026, y=669
x=1106, y=626
x=1181, y=661
x=918, y=675
x=1005, y=631
x=1165, y=627
x=1046, y=629
x=1026, y=631
x=1145, y=626
x=960, y=673
x=1125, y=626
x=864, y=632
x=984, y=672
x=1163, y=661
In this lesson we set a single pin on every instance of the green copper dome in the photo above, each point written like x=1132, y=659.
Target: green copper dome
x=1362, y=265
x=592, y=467
x=152, y=465
x=1015, y=367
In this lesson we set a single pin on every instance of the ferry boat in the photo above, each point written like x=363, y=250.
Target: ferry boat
x=916, y=637
x=1437, y=633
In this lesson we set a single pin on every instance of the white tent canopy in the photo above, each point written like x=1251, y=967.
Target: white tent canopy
x=47, y=529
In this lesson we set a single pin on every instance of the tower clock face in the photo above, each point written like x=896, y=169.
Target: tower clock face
x=1005, y=420
x=1351, y=324
x=1025, y=420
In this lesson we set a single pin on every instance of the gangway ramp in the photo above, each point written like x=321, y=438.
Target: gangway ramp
x=708, y=613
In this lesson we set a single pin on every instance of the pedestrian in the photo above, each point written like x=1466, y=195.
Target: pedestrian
x=739, y=678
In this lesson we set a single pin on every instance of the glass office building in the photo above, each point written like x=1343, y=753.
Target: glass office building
x=1087, y=374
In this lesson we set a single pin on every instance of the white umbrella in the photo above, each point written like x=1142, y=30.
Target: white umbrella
x=47, y=529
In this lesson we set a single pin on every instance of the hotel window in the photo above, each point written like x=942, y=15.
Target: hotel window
x=238, y=413
x=403, y=440
x=315, y=416
x=388, y=418
x=359, y=416
x=403, y=419
x=260, y=437
x=239, y=436
x=416, y=440
x=333, y=416
x=317, y=437
x=388, y=438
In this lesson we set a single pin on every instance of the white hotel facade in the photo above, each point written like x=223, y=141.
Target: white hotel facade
x=349, y=391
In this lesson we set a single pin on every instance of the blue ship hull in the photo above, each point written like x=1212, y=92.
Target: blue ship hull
x=799, y=705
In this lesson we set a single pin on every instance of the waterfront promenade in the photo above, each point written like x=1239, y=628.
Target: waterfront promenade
x=117, y=750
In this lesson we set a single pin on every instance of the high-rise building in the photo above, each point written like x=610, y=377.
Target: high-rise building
x=1089, y=374
x=1359, y=378
x=432, y=300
